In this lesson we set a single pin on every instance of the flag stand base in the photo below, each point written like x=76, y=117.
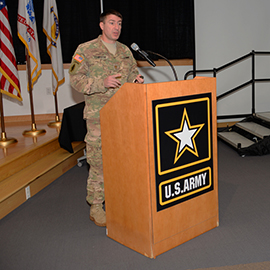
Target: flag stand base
x=4, y=142
x=34, y=131
x=56, y=123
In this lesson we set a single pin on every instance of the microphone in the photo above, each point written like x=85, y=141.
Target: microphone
x=142, y=53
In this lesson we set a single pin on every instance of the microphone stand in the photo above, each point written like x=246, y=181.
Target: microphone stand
x=174, y=72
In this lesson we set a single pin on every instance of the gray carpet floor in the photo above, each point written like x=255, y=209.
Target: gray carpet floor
x=52, y=229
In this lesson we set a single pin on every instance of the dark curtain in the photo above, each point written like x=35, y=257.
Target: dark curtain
x=79, y=22
x=164, y=27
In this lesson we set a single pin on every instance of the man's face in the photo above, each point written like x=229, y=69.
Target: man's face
x=111, y=28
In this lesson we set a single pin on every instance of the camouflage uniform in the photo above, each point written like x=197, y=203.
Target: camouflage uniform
x=91, y=64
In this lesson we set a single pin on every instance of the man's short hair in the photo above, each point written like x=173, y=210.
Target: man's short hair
x=109, y=12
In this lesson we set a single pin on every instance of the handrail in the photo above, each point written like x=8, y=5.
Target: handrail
x=216, y=70
x=234, y=61
x=252, y=81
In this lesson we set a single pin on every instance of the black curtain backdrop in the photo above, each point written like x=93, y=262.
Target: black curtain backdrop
x=164, y=27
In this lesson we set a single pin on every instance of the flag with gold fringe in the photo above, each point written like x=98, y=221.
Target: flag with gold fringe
x=52, y=32
x=27, y=33
x=9, y=78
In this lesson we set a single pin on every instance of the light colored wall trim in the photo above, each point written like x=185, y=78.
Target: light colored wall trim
x=159, y=63
x=27, y=118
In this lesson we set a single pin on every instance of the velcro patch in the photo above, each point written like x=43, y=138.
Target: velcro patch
x=74, y=67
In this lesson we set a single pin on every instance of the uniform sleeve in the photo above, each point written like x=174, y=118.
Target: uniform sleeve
x=133, y=69
x=81, y=79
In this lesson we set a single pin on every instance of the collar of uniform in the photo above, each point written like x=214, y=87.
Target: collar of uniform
x=118, y=46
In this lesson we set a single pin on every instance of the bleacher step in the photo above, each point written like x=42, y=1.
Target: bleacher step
x=19, y=160
x=36, y=176
x=264, y=116
x=234, y=139
x=254, y=128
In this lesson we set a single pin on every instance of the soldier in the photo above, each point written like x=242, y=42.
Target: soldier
x=98, y=69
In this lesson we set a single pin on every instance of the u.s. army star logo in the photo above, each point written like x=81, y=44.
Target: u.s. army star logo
x=185, y=137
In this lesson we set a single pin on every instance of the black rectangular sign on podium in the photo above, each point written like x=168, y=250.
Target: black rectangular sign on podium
x=183, y=148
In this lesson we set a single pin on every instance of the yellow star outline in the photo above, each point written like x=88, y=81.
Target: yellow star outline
x=185, y=137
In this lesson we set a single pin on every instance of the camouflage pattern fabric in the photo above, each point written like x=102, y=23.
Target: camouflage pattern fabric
x=95, y=183
x=91, y=64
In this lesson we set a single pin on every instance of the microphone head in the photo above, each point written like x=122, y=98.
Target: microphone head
x=134, y=47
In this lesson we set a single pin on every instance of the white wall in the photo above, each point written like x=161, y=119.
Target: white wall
x=42, y=96
x=225, y=30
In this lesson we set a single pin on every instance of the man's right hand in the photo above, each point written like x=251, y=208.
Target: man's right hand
x=112, y=82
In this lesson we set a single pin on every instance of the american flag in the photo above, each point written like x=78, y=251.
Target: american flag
x=9, y=79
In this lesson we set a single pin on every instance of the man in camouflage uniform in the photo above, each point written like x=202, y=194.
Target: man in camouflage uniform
x=98, y=69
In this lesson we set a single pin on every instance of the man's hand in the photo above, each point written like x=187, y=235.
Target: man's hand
x=112, y=82
x=139, y=79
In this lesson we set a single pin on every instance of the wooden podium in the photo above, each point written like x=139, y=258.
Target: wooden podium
x=159, y=145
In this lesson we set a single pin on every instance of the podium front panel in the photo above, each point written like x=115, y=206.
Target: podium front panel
x=160, y=164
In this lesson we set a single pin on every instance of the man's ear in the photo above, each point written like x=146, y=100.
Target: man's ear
x=101, y=25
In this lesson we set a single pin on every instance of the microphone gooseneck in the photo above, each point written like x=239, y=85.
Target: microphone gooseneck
x=142, y=53
x=145, y=55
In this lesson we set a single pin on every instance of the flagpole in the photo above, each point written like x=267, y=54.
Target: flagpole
x=4, y=141
x=9, y=80
x=34, y=131
x=57, y=122
x=52, y=32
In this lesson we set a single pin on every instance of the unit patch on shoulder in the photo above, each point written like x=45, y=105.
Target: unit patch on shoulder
x=78, y=58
